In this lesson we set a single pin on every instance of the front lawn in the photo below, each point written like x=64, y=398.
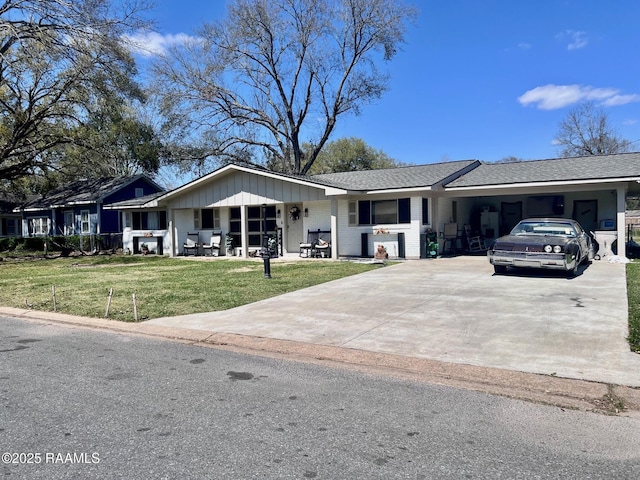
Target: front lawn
x=162, y=286
x=633, y=294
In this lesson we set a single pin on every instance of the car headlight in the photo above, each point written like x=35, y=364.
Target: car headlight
x=557, y=249
x=548, y=248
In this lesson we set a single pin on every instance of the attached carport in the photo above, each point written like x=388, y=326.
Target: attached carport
x=593, y=190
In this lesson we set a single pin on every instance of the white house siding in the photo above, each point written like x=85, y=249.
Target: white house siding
x=349, y=236
x=150, y=237
x=319, y=216
x=243, y=188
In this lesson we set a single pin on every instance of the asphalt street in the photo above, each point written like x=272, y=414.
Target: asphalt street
x=81, y=403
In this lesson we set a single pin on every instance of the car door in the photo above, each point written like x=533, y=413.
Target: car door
x=583, y=242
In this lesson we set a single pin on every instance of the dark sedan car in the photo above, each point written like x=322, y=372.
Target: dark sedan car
x=554, y=243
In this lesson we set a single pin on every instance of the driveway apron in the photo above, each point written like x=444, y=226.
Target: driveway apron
x=456, y=310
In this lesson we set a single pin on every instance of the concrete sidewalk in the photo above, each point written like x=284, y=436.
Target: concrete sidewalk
x=455, y=310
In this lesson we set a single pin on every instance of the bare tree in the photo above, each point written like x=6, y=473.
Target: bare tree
x=586, y=131
x=58, y=58
x=276, y=73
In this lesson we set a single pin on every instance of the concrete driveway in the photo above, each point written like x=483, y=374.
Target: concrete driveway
x=456, y=310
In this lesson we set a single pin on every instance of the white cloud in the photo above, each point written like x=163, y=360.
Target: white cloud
x=148, y=44
x=621, y=100
x=577, y=40
x=552, y=97
x=524, y=46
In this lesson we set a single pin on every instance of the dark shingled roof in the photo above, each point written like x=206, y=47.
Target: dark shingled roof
x=80, y=191
x=388, y=178
x=622, y=165
x=8, y=202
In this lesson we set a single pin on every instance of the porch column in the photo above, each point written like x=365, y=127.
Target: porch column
x=243, y=231
x=98, y=218
x=172, y=233
x=53, y=226
x=620, y=220
x=334, y=228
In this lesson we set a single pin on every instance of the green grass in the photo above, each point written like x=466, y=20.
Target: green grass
x=633, y=294
x=163, y=286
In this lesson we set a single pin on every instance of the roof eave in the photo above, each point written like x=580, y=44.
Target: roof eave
x=196, y=183
x=399, y=190
x=543, y=184
x=149, y=204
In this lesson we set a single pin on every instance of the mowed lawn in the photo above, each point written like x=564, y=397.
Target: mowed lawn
x=162, y=286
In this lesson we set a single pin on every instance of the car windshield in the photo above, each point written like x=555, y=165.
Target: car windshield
x=544, y=228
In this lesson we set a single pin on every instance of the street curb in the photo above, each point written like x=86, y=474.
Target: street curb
x=545, y=389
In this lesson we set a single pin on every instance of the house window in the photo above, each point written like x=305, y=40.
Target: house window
x=375, y=212
x=8, y=227
x=85, y=224
x=139, y=192
x=404, y=210
x=210, y=218
x=149, y=220
x=39, y=226
x=206, y=218
x=255, y=224
x=127, y=220
x=425, y=211
x=68, y=222
x=235, y=225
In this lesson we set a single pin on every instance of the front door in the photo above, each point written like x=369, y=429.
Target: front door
x=293, y=226
x=586, y=213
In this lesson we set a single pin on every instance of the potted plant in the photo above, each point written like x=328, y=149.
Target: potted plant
x=144, y=248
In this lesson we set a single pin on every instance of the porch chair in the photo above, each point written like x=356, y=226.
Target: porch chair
x=306, y=248
x=322, y=247
x=450, y=239
x=191, y=245
x=475, y=242
x=214, y=245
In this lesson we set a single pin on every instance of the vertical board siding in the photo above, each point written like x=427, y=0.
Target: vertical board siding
x=243, y=188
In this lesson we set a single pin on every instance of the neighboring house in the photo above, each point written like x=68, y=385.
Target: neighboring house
x=78, y=208
x=394, y=207
x=9, y=220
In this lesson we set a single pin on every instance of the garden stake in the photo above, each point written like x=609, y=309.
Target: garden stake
x=106, y=314
x=135, y=308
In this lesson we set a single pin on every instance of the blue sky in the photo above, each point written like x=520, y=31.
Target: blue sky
x=485, y=79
